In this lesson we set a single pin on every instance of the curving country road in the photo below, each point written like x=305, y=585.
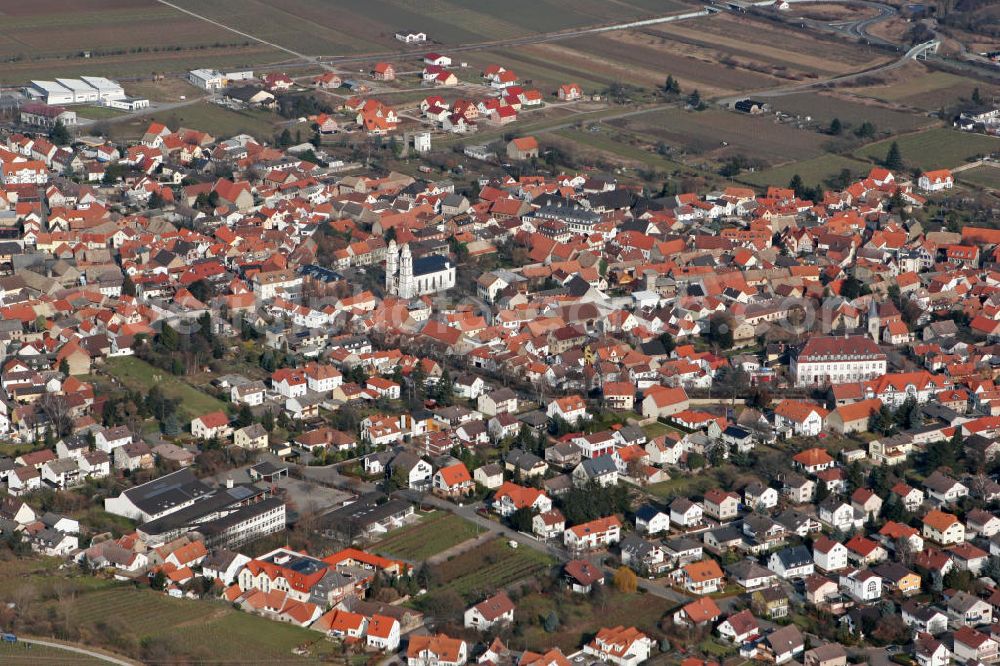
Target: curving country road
x=79, y=650
x=859, y=28
x=781, y=91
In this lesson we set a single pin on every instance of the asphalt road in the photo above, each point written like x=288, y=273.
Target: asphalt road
x=781, y=91
x=469, y=513
x=330, y=476
x=859, y=29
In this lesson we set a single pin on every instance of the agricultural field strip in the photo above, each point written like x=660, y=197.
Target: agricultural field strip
x=455, y=22
x=506, y=574
x=428, y=537
x=234, y=30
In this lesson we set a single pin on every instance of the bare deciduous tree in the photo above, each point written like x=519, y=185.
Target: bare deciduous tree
x=56, y=408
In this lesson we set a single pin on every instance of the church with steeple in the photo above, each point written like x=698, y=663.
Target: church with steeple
x=408, y=278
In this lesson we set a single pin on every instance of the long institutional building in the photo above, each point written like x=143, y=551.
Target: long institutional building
x=837, y=360
x=84, y=90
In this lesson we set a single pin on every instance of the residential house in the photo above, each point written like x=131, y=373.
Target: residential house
x=813, y=460
x=739, y=627
x=685, y=514
x=620, y=646
x=840, y=515
x=931, y=652
x=867, y=502
x=489, y=476
x=383, y=633
x=214, y=425
x=603, y=471
x=511, y=497
x=784, y=644
x=750, y=576
x=802, y=418
x=965, y=609
x=594, y=534
x=924, y=618
x=453, y=481
x=942, y=489
x=698, y=613
x=863, y=585
x=501, y=401
x=548, y=525
x=972, y=645
x=792, y=562
x=704, y=577
x=664, y=401
x=436, y=650
x=828, y=654
x=490, y=613
x=643, y=556
x=582, y=575
x=943, y=528
x=829, y=555
x=721, y=504
x=253, y=437
x=898, y=578
x=571, y=409
x=411, y=470
x=979, y=522
x=650, y=520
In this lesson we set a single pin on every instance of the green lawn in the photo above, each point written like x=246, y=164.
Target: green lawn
x=138, y=375
x=681, y=485
x=108, y=612
x=228, y=633
x=143, y=612
x=655, y=429
x=435, y=533
x=603, y=142
x=813, y=171
x=94, y=112
x=939, y=148
x=710, y=647
x=218, y=121
x=985, y=177
x=11, y=450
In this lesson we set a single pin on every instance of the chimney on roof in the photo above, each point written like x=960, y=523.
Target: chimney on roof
x=229, y=482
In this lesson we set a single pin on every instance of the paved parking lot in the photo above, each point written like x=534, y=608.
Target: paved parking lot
x=304, y=495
